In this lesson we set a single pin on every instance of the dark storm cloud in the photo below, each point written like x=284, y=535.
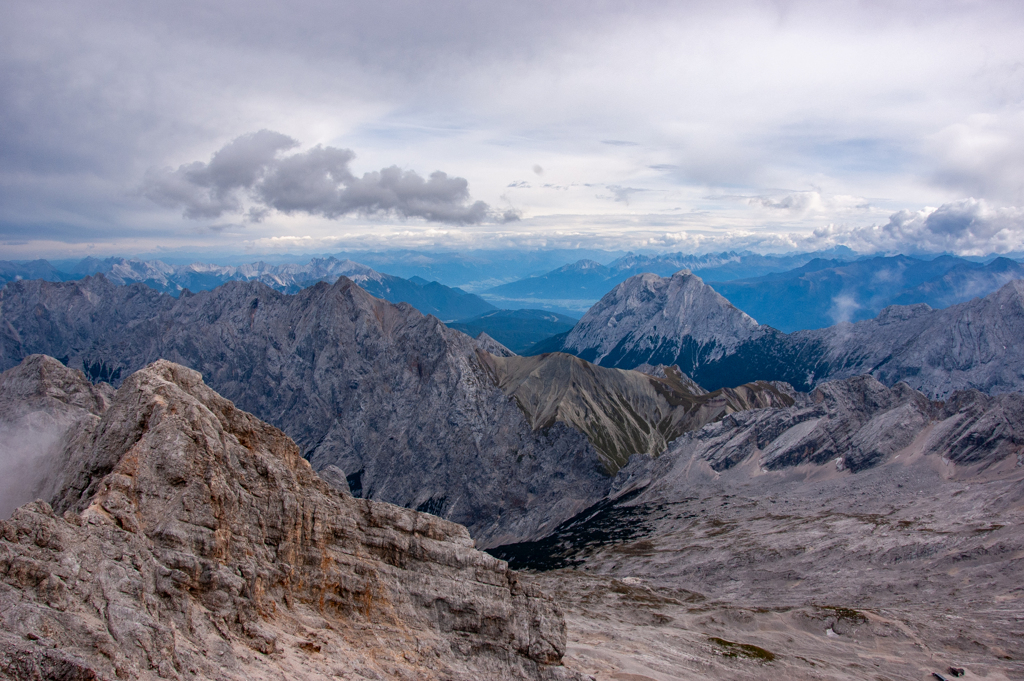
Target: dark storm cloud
x=316, y=182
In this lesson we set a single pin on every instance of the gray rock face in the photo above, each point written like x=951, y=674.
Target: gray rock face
x=188, y=539
x=841, y=428
x=864, y=527
x=680, y=320
x=971, y=345
x=395, y=399
x=857, y=423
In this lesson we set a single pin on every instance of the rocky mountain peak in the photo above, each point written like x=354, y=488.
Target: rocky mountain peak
x=644, y=315
x=191, y=538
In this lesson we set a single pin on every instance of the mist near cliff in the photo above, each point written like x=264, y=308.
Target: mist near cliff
x=29, y=450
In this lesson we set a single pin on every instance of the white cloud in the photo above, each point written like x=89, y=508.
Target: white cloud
x=967, y=227
x=982, y=156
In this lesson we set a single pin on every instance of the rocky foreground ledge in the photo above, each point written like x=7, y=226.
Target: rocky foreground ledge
x=188, y=539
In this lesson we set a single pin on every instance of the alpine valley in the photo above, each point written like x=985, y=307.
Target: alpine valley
x=256, y=481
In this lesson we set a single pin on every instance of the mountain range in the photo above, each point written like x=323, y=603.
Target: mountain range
x=681, y=320
x=413, y=412
x=766, y=525
x=825, y=292
x=574, y=287
x=790, y=293
x=429, y=297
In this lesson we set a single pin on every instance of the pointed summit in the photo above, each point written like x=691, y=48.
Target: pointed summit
x=658, y=320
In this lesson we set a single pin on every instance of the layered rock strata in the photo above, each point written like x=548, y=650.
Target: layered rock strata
x=188, y=539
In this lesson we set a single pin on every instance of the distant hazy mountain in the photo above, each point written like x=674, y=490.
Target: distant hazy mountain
x=722, y=266
x=426, y=296
x=824, y=292
x=577, y=286
x=36, y=269
x=518, y=330
x=474, y=271
x=680, y=320
x=575, y=280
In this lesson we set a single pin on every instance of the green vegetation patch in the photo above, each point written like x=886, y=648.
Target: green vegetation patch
x=733, y=649
x=848, y=614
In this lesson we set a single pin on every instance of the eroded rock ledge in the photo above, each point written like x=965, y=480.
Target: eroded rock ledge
x=188, y=539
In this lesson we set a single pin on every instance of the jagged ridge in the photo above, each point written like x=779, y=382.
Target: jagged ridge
x=621, y=412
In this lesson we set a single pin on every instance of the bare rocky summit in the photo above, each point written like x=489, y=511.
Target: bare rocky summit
x=644, y=313
x=188, y=539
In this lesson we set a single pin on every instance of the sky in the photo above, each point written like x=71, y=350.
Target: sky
x=325, y=125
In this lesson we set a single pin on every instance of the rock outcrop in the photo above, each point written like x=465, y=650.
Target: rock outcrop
x=188, y=539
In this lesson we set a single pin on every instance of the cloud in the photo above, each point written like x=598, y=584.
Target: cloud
x=511, y=215
x=208, y=190
x=982, y=156
x=622, y=194
x=619, y=143
x=316, y=182
x=966, y=227
x=28, y=458
x=843, y=308
x=796, y=202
